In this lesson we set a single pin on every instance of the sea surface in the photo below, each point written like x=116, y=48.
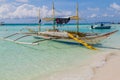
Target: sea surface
x=25, y=62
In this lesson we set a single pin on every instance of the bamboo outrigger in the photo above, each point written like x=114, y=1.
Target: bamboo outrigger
x=55, y=34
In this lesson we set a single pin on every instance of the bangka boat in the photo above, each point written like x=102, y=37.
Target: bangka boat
x=83, y=38
x=79, y=37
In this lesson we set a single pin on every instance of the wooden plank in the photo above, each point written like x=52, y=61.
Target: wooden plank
x=11, y=35
x=21, y=37
x=19, y=42
x=81, y=41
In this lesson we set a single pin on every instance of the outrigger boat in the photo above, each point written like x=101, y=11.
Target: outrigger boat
x=55, y=34
x=83, y=38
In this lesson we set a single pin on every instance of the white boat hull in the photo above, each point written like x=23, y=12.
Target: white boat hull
x=63, y=36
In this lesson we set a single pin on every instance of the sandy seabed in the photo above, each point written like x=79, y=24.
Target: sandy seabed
x=102, y=66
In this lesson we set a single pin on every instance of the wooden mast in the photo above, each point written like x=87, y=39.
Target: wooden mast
x=39, y=21
x=77, y=14
x=53, y=15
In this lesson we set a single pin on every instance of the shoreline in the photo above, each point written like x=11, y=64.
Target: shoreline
x=93, y=70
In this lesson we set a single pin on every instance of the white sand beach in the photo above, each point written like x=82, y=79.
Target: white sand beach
x=110, y=71
x=104, y=66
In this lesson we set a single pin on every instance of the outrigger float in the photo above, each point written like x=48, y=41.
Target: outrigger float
x=83, y=38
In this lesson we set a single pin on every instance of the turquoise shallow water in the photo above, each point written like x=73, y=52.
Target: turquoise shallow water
x=23, y=62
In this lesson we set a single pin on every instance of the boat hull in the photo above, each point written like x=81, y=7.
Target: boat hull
x=63, y=36
x=102, y=27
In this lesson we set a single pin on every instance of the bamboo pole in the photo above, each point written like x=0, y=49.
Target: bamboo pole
x=77, y=14
x=53, y=15
x=39, y=22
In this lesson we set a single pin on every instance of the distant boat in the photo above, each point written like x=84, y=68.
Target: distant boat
x=118, y=22
x=1, y=23
x=100, y=26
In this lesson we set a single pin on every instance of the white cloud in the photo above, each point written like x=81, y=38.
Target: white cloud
x=115, y=6
x=24, y=1
x=93, y=9
x=24, y=10
x=93, y=16
x=5, y=10
x=27, y=11
x=2, y=0
x=105, y=15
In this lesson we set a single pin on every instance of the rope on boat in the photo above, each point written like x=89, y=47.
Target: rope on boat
x=81, y=41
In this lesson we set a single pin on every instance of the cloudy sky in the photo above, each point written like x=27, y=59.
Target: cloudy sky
x=89, y=10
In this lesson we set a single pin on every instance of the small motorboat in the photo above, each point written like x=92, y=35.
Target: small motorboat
x=100, y=26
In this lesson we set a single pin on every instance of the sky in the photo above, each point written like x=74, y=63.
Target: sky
x=26, y=11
